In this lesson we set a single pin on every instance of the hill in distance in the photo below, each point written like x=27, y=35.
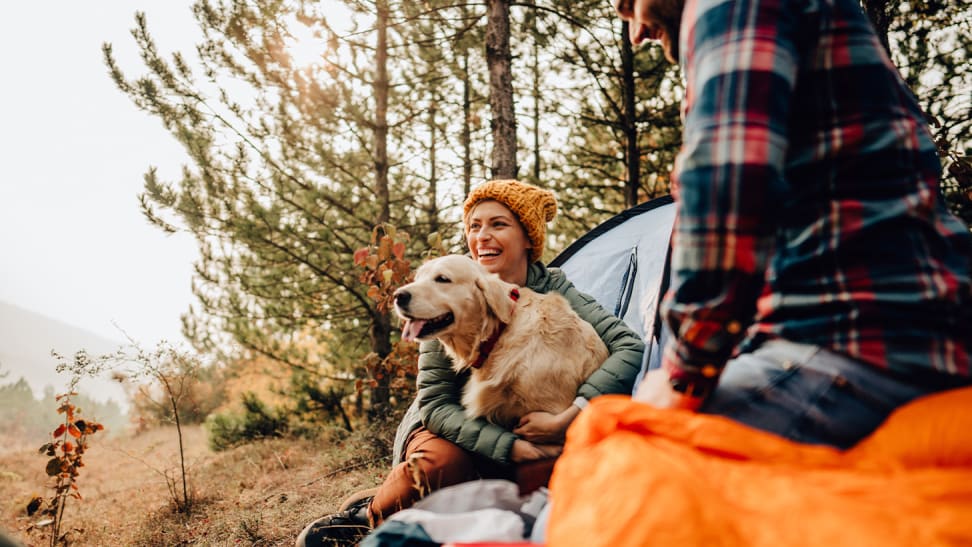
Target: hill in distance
x=26, y=341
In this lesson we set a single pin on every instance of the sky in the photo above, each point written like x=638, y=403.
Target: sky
x=74, y=245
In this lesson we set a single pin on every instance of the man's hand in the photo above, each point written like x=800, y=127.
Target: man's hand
x=544, y=427
x=656, y=390
x=525, y=451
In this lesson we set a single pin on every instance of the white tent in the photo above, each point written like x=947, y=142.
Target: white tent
x=622, y=264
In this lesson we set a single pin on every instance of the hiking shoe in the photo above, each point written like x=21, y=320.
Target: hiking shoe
x=343, y=528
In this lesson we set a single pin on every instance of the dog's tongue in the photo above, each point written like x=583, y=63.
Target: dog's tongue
x=411, y=329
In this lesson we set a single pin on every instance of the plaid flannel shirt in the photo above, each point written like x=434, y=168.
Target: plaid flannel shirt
x=808, y=205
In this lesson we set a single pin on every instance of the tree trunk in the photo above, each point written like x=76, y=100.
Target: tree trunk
x=632, y=151
x=466, y=137
x=381, y=345
x=499, y=64
x=879, y=12
x=535, y=66
x=380, y=154
x=381, y=326
x=433, y=210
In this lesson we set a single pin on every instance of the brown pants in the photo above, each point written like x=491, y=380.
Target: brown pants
x=432, y=462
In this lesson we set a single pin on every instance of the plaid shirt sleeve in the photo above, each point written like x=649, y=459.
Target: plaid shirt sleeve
x=740, y=66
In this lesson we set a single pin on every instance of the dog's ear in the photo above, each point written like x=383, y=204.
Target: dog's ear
x=497, y=294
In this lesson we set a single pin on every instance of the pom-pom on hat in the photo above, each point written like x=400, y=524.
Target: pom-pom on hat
x=533, y=206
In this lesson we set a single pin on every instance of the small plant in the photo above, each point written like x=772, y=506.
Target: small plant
x=384, y=263
x=66, y=452
x=174, y=370
x=385, y=269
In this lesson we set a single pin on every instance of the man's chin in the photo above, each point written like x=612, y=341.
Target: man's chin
x=671, y=56
x=670, y=48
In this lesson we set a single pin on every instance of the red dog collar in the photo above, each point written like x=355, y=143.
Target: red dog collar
x=487, y=346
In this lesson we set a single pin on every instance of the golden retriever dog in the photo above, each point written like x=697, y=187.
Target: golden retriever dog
x=525, y=351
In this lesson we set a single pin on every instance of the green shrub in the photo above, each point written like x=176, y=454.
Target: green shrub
x=257, y=421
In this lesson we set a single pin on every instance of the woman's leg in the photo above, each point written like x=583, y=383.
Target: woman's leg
x=530, y=476
x=430, y=463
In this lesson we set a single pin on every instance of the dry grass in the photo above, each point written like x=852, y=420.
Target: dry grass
x=257, y=494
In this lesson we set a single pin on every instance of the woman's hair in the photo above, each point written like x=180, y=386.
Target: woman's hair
x=533, y=206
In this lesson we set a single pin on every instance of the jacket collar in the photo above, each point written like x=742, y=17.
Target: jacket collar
x=537, y=275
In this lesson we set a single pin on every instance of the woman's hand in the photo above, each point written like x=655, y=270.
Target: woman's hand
x=544, y=427
x=525, y=451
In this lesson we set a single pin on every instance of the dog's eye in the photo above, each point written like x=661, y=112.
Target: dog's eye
x=442, y=279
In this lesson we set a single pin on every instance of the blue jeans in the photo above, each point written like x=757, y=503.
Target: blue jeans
x=808, y=394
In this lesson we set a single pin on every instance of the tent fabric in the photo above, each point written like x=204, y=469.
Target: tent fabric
x=635, y=475
x=621, y=264
x=625, y=252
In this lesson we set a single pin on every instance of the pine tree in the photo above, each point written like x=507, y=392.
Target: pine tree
x=619, y=107
x=291, y=169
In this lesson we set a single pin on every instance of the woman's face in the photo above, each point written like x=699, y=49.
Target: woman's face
x=498, y=241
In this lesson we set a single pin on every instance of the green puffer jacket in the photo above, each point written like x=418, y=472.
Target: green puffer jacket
x=438, y=403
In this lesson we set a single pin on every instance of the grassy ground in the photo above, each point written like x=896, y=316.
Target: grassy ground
x=257, y=494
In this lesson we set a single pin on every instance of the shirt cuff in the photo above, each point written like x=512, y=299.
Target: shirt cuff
x=704, y=376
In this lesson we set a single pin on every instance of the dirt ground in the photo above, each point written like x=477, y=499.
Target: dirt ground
x=261, y=493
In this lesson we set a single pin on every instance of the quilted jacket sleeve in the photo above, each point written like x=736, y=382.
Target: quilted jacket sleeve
x=440, y=408
x=617, y=374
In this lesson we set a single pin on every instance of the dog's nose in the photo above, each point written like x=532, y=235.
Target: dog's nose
x=402, y=298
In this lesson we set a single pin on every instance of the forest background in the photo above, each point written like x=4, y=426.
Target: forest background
x=327, y=162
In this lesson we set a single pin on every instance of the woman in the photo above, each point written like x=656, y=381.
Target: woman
x=505, y=228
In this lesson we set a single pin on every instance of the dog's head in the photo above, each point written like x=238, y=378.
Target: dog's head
x=452, y=296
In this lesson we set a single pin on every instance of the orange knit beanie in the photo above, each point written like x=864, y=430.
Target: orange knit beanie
x=533, y=206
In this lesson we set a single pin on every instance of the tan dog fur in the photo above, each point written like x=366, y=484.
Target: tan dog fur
x=545, y=352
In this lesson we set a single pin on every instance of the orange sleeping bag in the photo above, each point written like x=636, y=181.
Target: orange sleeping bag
x=635, y=475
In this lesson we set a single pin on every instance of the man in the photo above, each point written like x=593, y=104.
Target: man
x=818, y=282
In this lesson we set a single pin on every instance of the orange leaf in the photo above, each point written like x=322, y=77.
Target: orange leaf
x=398, y=250
x=73, y=431
x=68, y=447
x=384, y=248
x=59, y=431
x=360, y=255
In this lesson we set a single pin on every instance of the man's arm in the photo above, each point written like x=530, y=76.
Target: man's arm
x=740, y=64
